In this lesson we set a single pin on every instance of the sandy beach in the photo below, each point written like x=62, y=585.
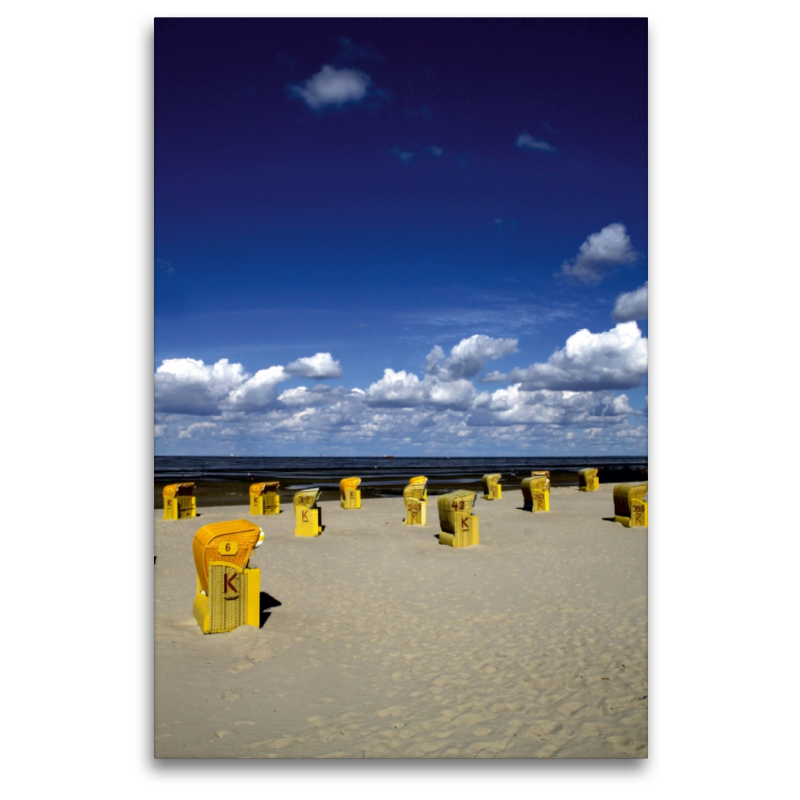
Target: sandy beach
x=381, y=643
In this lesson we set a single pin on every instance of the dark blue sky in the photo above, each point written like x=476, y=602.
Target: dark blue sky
x=372, y=189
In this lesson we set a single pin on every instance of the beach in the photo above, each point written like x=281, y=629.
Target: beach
x=381, y=643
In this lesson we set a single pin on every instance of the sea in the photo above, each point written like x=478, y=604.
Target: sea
x=386, y=475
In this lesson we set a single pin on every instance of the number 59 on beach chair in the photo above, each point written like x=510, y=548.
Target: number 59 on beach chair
x=415, y=497
x=228, y=589
x=307, y=516
x=349, y=493
x=459, y=526
x=179, y=501
x=264, y=498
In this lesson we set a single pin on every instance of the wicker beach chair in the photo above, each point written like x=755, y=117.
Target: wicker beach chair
x=227, y=588
x=179, y=501
x=415, y=497
x=349, y=493
x=307, y=515
x=588, y=480
x=492, y=490
x=459, y=526
x=536, y=492
x=264, y=498
x=630, y=504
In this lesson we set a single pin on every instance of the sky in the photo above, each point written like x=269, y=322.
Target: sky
x=401, y=236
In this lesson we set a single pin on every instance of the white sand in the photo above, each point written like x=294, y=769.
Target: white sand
x=532, y=644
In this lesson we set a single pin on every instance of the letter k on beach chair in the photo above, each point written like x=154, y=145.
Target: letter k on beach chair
x=307, y=515
x=536, y=492
x=349, y=493
x=415, y=496
x=179, y=501
x=459, y=525
x=227, y=588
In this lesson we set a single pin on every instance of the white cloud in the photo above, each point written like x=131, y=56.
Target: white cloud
x=601, y=251
x=468, y=357
x=318, y=396
x=188, y=386
x=435, y=151
x=615, y=359
x=526, y=140
x=404, y=155
x=406, y=390
x=331, y=86
x=318, y=366
x=631, y=305
x=259, y=391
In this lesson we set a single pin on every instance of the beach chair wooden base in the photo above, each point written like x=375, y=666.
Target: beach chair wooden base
x=416, y=512
x=307, y=521
x=467, y=532
x=233, y=598
x=352, y=499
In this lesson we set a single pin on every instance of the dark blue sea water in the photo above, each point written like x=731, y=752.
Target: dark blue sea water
x=377, y=472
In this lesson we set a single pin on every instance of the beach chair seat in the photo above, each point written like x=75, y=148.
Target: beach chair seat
x=459, y=526
x=630, y=504
x=228, y=589
x=492, y=490
x=349, y=493
x=265, y=498
x=588, y=480
x=415, y=497
x=179, y=501
x=307, y=515
x=536, y=492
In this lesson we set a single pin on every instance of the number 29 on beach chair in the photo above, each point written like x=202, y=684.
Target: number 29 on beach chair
x=630, y=504
x=536, y=492
x=228, y=590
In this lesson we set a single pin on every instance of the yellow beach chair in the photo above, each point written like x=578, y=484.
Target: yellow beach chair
x=307, y=515
x=227, y=588
x=536, y=492
x=630, y=504
x=459, y=526
x=264, y=498
x=415, y=496
x=179, y=501
x=588, y=480
x=349, y=493
x=492, y=490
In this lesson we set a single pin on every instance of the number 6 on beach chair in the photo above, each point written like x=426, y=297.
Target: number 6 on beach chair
x=228, y=589
x=264, y=498
x=179, y=501
x=415, y=496
x=349, y=493
x=630, y=504
x=459, y=526
x=307, y=516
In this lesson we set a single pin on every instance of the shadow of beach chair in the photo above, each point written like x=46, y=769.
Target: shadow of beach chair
x=349, y=493
x=179, y=501
x=265, y=499
x=307, y=515
x=227, y=588
x=415, y=497
x=459, y=526
x=630, y=504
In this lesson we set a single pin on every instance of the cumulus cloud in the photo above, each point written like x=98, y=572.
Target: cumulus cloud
x=318, y=366
x=301, y=396
x=525, y=140
x=615, y=359
x=601, y=251
x=331, y=86
x=468, y=357
x=259, y=391
x=631, y=305
x=188, y=386
x=405, y=390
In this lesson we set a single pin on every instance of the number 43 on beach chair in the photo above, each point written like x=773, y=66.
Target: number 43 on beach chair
x=228, y=589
